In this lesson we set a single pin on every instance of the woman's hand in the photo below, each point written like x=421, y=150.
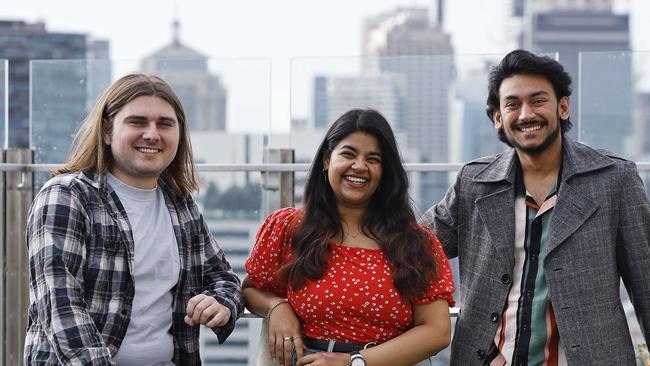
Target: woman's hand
x=284, y=334
x=325, y=359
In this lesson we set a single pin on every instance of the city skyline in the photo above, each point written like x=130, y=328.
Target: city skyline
x=281, y=31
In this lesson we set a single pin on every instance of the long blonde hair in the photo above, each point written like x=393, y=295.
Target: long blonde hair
x=90, y=153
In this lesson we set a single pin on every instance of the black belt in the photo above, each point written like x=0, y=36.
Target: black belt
x=320, y=345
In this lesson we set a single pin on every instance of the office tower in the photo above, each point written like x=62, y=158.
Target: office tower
x=201, y=92
x=55, y=94
x=538, y=6
x=419, y=57
x=601, y=98
x=477, y=135
x=21, y=42
x=333, y=96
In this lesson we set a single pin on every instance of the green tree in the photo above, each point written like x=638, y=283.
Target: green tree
x=211, y=198
x=237, y=199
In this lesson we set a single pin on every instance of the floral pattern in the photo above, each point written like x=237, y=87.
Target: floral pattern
x=355, y=300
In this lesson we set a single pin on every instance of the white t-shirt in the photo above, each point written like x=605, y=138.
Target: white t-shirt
x=156, y=266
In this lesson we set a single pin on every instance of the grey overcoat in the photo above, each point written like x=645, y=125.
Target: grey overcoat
x=599, y=233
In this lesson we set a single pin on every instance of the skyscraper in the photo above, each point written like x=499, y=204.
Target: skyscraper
x=419, y=56
x=201, y=92
x=333, y=96
x=54, y=95
x=478, y=136
x=600, y=97
x=21, y=42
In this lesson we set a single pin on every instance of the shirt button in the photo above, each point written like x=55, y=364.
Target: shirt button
x=481, y=354
x=494, y=317
x=505, y=279
x=124, y=312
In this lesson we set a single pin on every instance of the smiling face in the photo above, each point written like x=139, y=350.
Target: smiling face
x=354, y=169
x=529, y=113
x=143, y=141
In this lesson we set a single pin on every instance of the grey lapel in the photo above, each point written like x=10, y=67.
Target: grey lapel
x=496, y=207
x=573, y=207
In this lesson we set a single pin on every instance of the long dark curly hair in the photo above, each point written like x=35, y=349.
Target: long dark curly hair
x=389, y=218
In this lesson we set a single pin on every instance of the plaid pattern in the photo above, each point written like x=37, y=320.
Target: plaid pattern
x=81, y=257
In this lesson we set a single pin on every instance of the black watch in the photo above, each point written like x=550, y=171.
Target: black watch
x=356, y=359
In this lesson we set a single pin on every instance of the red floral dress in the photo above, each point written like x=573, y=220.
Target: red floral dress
x=355, y=301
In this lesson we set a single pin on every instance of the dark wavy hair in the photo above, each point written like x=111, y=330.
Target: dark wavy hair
x=388, y=219
x=522, y=62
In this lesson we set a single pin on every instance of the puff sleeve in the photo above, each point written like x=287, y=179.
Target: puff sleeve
x=272, y=249
x=442, y=283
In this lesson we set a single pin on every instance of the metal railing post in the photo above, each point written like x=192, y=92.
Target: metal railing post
x=277, y=187
x=18, y=198
x=277, y=192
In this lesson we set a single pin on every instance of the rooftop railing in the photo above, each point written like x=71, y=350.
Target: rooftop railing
x=253, y=136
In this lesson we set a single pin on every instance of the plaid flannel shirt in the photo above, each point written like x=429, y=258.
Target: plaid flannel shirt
x=81, y=258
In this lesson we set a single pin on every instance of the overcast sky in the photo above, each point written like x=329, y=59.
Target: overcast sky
x=274, y=29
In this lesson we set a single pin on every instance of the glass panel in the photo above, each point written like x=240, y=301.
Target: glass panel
x=4, y=100
x=614, y=105
x=3, y=123
x=609, y=101
x=227, y=103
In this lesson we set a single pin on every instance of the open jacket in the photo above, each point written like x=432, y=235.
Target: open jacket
x=81, y=258
x=599, y=233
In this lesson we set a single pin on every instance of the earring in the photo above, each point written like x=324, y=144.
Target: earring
x=324, y=174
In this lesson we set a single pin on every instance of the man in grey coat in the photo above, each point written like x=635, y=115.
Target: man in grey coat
x=543, y=233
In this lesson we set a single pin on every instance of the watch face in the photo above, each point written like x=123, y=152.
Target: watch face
x=357, y=361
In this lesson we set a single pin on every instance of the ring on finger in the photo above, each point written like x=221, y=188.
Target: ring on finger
x=286, y=339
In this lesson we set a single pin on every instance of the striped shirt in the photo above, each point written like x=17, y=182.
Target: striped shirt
x=81, y=289
x=528, y=334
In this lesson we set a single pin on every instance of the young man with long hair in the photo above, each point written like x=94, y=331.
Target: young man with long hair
x=123, y=267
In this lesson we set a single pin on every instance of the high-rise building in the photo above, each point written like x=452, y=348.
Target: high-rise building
x=335, y=95
x=21, y=42
x=418, y=55
x=186, y=70
x=53, y=79
x=600, y=97
x=538, y=6
x=477, y=135
x=567, y=28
